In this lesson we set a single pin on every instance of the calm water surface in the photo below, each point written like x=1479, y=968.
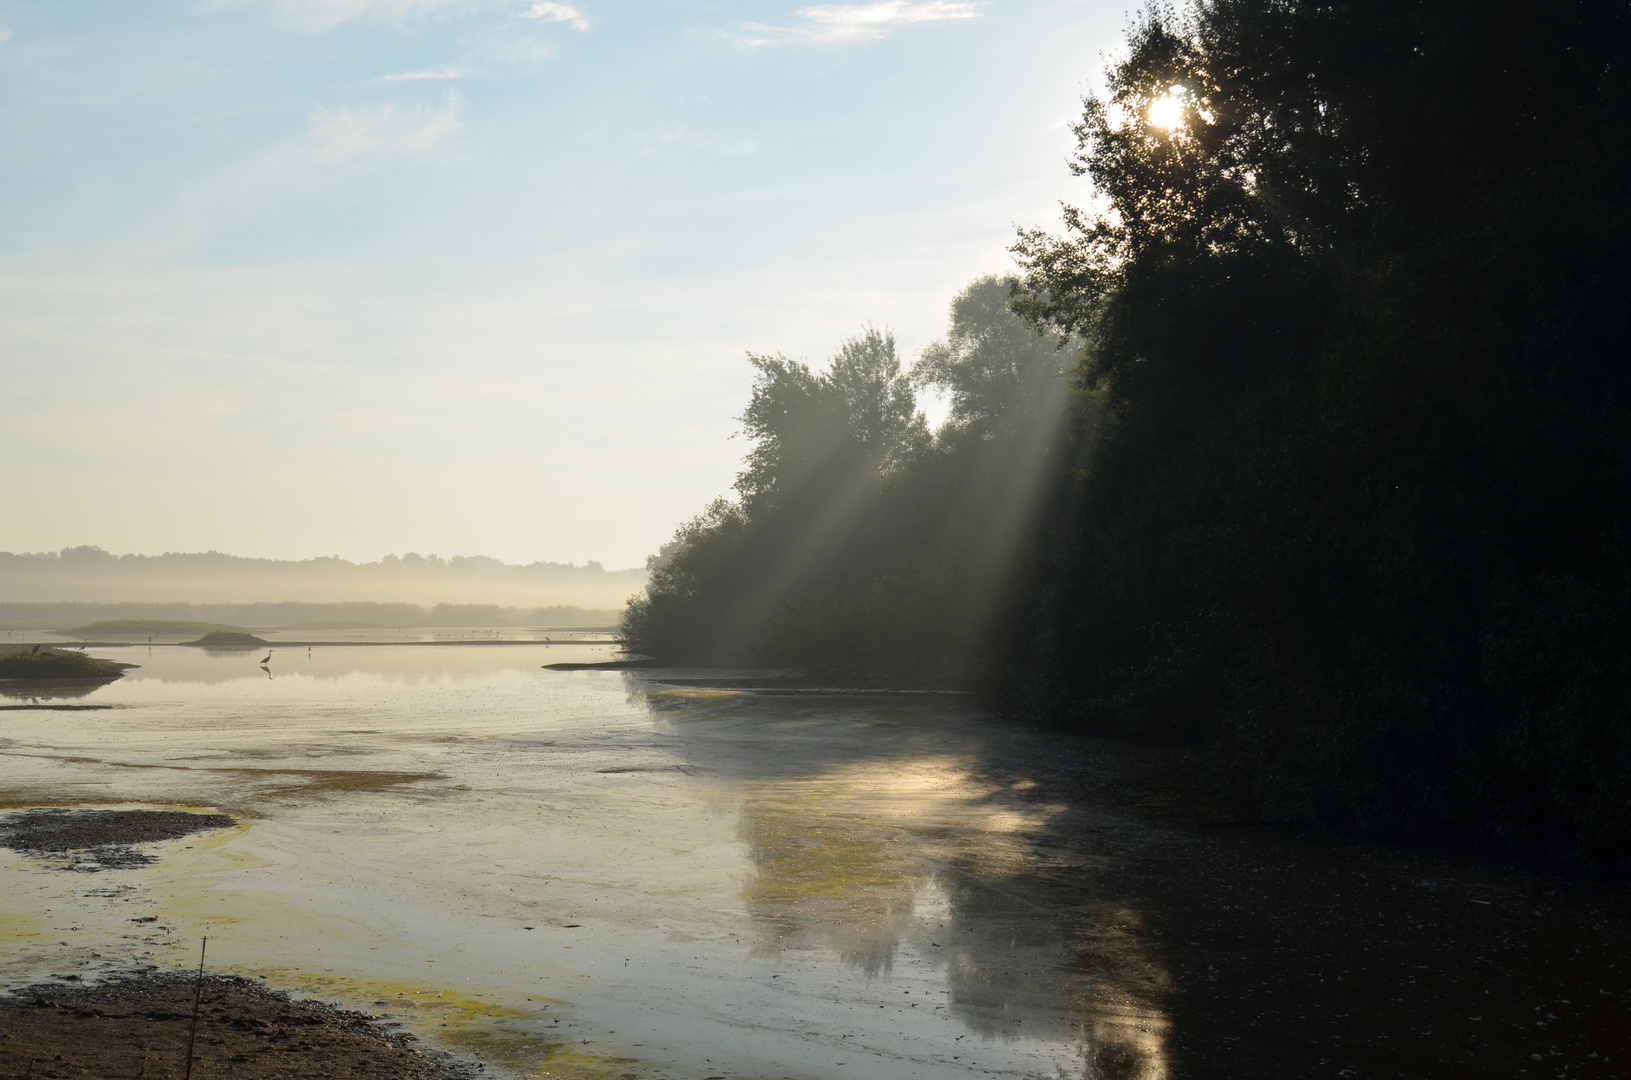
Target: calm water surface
x=602, y=874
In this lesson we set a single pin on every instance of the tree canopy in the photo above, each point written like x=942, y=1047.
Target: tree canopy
x=1357, y=314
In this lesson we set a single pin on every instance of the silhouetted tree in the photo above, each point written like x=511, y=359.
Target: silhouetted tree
x=1356, y=314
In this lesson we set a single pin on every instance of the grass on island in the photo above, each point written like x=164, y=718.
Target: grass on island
x=228, y=639
x=153, y=627
x=21, y=662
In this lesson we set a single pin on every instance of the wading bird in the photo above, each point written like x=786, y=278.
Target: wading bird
x=268, y=659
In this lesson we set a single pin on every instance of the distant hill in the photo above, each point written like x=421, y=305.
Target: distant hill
x=215, y=580
x=228, y=639
x=134, y=628
x=126, y=621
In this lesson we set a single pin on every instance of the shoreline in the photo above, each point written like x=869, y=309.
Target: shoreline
x=137, y=1023
x=276, y=644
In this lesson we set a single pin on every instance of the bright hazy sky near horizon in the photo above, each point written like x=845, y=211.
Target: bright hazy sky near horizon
x=287, y=278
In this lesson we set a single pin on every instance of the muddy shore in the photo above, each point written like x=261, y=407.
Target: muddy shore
x=140, y=1025
x=92, y=840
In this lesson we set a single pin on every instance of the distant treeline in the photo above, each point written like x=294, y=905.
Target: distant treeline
x=1342, y=493
x=41, y=616
x=91, y=574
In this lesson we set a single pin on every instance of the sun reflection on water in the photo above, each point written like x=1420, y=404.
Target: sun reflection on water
x=925, y=861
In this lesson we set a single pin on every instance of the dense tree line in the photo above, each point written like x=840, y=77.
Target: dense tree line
x=859, y=540
x=1344, y=490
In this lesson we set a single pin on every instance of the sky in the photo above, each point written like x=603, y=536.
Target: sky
x=287, y=278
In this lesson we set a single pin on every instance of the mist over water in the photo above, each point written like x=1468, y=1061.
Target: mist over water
x=91, y=575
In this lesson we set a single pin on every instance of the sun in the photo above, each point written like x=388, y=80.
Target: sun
x=1167, y=112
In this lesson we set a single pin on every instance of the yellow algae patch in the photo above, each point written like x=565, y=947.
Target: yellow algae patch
x=47, y=907
x=209, y=853
x=22, y=928
x=244, y=926
x=847, y=856
x=566, y=1063
x=437, y=1004
x=828, y=859
x=465, y=1023
x=441, y=1005
x=32, y=890
x=842, y=879
x=874, y=826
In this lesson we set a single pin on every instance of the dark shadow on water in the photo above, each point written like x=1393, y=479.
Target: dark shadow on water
x=887, y=830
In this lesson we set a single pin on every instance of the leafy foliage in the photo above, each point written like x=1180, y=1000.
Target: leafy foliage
x=1358, y=322
x=860, y=541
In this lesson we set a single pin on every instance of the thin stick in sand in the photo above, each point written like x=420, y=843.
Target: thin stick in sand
x=198, y=994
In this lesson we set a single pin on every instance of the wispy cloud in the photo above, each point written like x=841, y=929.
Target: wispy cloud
x=413, y=76
x=5, y=34
x=560, y=13
x=832, y=24
x=340, y=147
x=383, y=130
x=318, y=16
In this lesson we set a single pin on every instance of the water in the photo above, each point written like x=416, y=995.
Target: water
x=598, y=873
x=346, y=634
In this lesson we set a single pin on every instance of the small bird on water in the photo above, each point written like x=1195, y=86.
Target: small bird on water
x=268, y=659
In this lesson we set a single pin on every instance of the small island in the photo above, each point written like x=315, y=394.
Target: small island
x=37, y=664
x=228, y=639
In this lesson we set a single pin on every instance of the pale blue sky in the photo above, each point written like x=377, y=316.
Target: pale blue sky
x=303, y=277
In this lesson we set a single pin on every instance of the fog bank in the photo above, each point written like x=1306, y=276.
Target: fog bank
x=89, y=574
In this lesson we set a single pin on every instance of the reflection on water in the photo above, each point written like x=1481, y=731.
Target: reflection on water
x=865, y=860
x=23, y=690
x=915, y=854
x=602, y=874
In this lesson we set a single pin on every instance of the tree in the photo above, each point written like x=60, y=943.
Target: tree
x=1354, y=310
x=825, y=446
x=1001, y=372
x=857, y=422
